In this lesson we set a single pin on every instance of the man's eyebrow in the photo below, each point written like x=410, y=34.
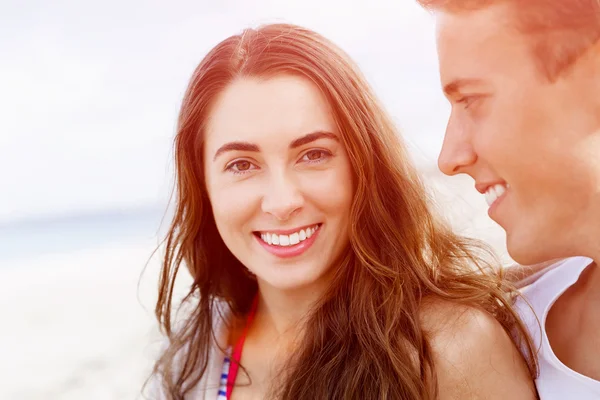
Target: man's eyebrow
x=236, y=146
x=311, y=137
x=456, y=85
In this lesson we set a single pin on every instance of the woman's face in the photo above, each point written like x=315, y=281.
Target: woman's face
x=279, y=179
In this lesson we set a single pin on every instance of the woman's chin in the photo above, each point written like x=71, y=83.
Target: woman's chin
x=291, y=281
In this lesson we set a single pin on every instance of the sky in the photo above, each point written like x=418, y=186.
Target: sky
x=90, y=91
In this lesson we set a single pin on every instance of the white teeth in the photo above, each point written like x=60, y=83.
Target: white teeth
x=288, y=240
x=494, y=192
x=500, y=190
x=311, y=231
x=294, y=238
x=284, y=240
x=302, y=235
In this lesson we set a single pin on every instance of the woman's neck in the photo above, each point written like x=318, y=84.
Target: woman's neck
x=283, y=311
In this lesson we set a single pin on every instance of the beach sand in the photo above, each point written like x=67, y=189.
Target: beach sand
x=77, y=328
x=80, y=325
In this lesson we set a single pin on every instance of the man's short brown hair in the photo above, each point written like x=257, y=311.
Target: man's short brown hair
x=561, y=31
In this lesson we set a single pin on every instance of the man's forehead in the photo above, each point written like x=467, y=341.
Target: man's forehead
x=460, y=51
x=469, y=30
x=472, y=44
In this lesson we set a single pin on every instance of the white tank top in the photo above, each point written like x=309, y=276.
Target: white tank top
x=556, y=381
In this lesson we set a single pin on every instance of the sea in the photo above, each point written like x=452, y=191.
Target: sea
x=34, y=237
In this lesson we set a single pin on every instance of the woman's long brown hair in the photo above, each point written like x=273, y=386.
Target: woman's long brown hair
x=364, y=340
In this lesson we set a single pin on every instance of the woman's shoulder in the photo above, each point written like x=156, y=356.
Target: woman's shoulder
x=460, y=333
x=218, y=343
x=473, y=354
x=443, y=320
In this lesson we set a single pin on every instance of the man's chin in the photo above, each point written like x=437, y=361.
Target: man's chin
x=527, y=252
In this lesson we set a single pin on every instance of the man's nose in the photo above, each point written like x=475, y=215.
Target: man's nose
x=457, y=151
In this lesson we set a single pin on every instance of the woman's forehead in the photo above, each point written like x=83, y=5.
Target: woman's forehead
x=278, y=108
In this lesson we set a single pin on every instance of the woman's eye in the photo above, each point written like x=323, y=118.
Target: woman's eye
x=240, y=166
x=315, y=155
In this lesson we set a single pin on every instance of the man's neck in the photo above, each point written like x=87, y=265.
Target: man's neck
x=590, y=234
x=573, y=322
x=593, y=237
x=590, y=279
x=590, y=284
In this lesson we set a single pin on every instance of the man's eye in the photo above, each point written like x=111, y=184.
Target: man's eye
x=468, y=101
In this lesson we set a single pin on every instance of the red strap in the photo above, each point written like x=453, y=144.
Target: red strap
x=237, y=350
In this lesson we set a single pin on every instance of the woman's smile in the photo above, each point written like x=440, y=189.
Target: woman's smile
x=290, y=243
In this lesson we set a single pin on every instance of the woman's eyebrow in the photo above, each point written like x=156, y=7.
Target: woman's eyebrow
x=311, y=137
x=301, y=141
x=236, y=146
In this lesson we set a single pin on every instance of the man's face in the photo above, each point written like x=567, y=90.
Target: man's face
x=527, y=142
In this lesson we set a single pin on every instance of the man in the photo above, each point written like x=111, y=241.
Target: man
x=523, y=79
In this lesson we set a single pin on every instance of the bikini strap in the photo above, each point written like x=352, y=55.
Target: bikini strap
x=237, y=350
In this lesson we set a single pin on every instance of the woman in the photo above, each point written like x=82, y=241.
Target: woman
x=320, y=270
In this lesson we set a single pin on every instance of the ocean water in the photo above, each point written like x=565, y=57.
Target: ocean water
x=60, y=234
